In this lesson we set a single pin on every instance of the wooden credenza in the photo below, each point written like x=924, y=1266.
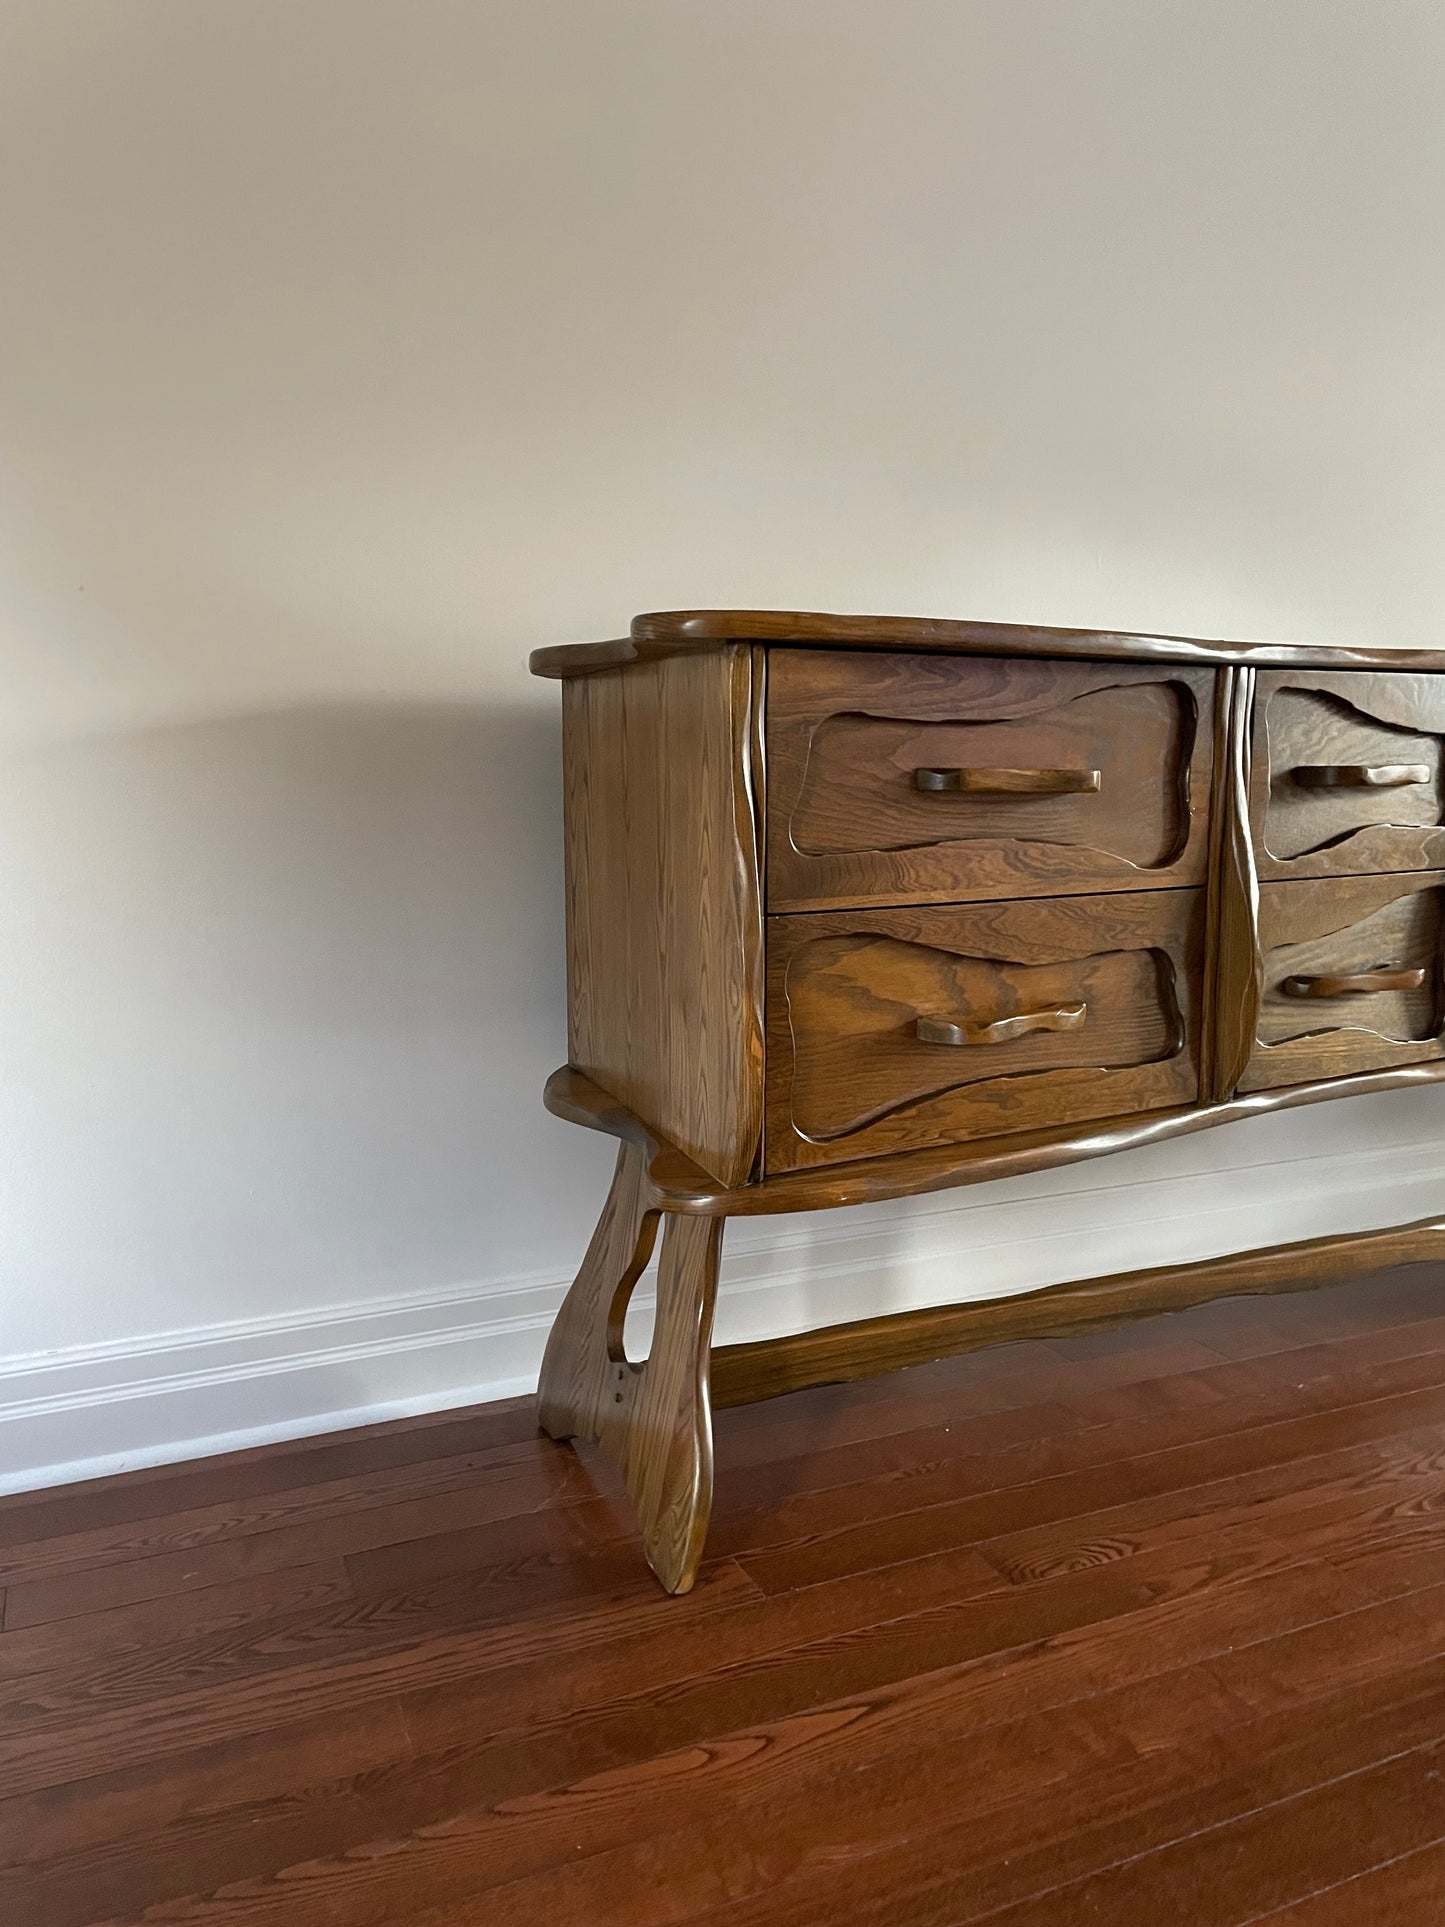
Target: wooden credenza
x=863, y=907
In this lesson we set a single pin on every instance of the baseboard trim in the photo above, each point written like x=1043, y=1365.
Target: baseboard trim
x=744, y=1374
x=101, y=1409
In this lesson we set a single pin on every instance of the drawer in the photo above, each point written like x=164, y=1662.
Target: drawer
x=892, y=1029
x=1352, y=978
x=925, y=779
x=1346, y=773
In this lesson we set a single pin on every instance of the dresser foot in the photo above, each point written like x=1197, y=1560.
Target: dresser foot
x=666, y=1455
x=653, y=1419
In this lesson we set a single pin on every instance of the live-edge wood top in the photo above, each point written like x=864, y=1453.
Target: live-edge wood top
x=685, y=631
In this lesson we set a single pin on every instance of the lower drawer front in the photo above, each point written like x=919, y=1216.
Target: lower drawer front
x=1352, y=978
x=893, y=1029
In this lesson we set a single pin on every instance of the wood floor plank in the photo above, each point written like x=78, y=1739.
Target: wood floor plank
x=1316, y=1376
x=504, y=1764
x=405, y=1546
x=827, y=1857
x=1031, y=1853
x=775, y=1503
x=855, y=1546
x=48, y=1746
x=158, y=1626
x=746, y=1440
x=1070, y=1631
x=1264, y=1858
x=1090, y=1631
x=499, y=1482
x=877, y=1788
x=74, y=1854
x=230, y=1559
x=1405, y=1892
x=1404, y=1473
x=779, y=1429
x=155, y=1492
x=881, y=1774
x=1402, y=1295
x=251, y=1839
x=1075, y=1531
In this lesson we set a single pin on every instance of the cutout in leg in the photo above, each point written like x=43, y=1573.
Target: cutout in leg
x=665, y=1442
x=654, y=1420
x=585, y=1367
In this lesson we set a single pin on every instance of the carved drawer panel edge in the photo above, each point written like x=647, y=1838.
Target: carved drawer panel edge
x=893, y=1029
x=909, y=779
x=1348, y=775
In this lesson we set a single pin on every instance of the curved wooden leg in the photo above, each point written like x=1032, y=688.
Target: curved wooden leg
x=654, y=1419
x=584, y=1363
x=665, y=1444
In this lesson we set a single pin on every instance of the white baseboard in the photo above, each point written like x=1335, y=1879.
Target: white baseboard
x=93, y=1410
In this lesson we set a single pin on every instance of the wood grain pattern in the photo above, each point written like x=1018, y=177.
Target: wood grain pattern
x=1233, y=970
x=1404, y=1890
x=688, y=631
x=679, y=1185
x=848, y=1075
x=1348, y=927
x=957, y=984
x=585, y=1356
x=664, y=935
x=977, y=779
x=1311, y=726
x=1001, y=1030
x=834, y=1354
x=1180, y=1660
x=654, y=1418
x=668, y=1462
x=1362, y=983
x=850, y=824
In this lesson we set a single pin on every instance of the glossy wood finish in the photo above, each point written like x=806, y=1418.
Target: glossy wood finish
x=1348, y=774
x=958, y=986
x=690, y=631
x=665, y=1441
x=836, y=1354
x=1000, y=1030
x=677, y=1184
x=1362, y=983
x=584, y=1368
x=1366, y=952
x=848, y=1075
x=664, y=932
x=653, y=1419
x=1138, y=1627
x=1233, y=973
x=978, y=780
x=1057, y=777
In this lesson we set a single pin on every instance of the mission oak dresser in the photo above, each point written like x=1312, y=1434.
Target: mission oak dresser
x=864, y=907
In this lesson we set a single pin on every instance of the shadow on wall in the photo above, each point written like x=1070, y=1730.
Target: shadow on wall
x=278, y=994
x=290, y=985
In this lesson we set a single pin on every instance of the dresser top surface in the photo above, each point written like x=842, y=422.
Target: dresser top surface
x=688, y=631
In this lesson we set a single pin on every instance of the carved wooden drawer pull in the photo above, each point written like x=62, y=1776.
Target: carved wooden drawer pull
x=1360, y=776
x=807, y=968
x=1365, y=984
x=1007, y=782
x=934, y=1030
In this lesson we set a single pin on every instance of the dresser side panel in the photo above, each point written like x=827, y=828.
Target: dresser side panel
x=664, y=918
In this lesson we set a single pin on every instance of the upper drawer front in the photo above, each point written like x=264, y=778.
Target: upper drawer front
x=935, y=779
x=1346, y=776
x=1352, y=978
x=893, y=1029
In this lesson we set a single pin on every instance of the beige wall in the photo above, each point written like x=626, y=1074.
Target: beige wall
x=348, y=350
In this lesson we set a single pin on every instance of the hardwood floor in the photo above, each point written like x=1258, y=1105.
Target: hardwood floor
x=1136, y=1627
